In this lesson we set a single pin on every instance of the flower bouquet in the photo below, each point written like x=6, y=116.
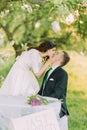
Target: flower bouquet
x=36, y=100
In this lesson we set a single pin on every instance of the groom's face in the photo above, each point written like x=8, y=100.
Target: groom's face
x=59, y=57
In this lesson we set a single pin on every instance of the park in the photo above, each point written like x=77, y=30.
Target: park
x=26, y=23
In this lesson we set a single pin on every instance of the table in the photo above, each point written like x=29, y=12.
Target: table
x=14, y=110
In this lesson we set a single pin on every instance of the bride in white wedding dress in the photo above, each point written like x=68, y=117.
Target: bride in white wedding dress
x=21, y=80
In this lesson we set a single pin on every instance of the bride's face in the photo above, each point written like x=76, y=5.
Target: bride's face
x=51, y=52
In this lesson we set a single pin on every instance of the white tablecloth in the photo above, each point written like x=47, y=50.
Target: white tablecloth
x=14, y=107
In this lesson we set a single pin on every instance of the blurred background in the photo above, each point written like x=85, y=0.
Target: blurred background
x=26, y=23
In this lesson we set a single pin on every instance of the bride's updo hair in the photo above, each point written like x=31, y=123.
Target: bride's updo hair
x=44, y=46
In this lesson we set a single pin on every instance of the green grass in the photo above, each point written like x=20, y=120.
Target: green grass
x=77, y=89
x=77, y=104
x=77, y=92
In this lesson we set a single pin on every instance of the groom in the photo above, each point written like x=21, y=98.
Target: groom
x=55, y=85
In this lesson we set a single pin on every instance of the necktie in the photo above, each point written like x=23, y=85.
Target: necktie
x=45, y=79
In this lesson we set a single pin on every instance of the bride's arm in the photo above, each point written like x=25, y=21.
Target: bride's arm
x=44, y=67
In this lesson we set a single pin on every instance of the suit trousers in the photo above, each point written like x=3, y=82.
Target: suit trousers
x=63, y=123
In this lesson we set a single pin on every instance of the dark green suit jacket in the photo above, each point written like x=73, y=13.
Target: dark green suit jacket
x=56, y=87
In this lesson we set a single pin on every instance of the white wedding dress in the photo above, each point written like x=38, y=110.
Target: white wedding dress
x=21, y=79
x=20, y=83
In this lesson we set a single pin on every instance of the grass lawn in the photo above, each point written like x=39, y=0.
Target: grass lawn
x=77, y=92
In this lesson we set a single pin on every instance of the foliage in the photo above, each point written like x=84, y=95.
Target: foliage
x=7, y=58
x=62, y=21
x=25, y=23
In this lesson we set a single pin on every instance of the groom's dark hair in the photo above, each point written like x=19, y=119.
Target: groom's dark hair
x=66, y=58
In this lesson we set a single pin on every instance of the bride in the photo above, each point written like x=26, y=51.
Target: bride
x=21, y=80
